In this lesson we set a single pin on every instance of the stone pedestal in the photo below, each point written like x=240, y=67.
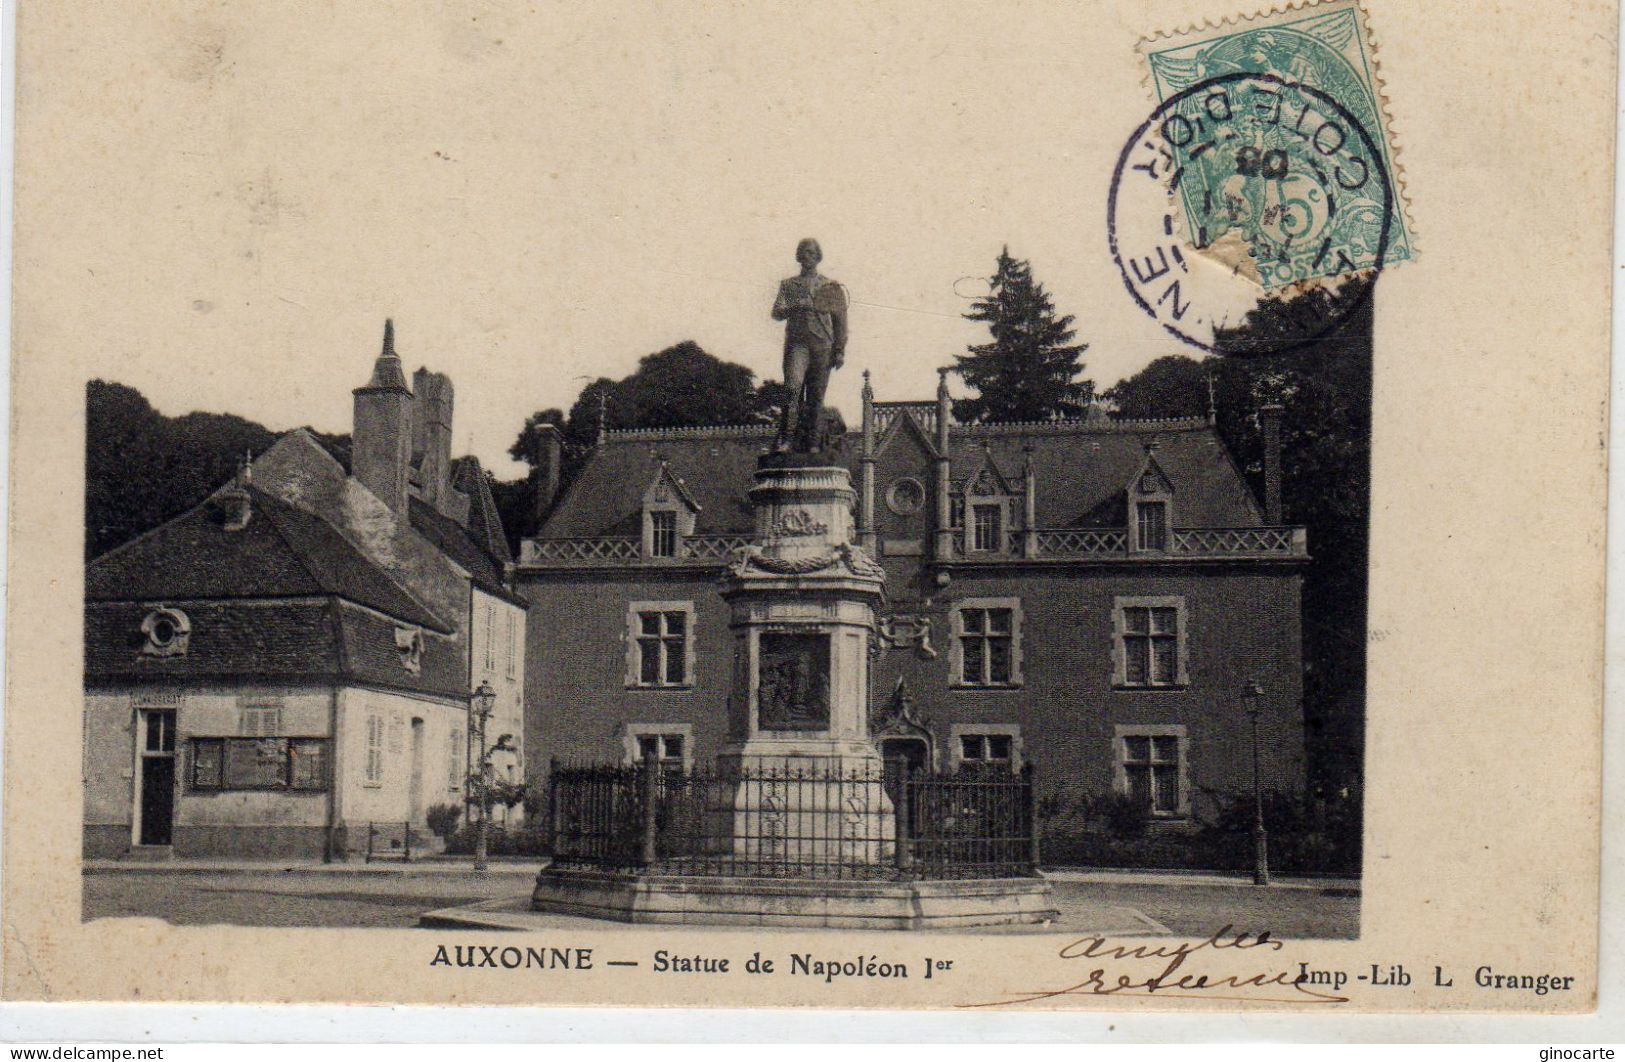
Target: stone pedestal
x=803, y=599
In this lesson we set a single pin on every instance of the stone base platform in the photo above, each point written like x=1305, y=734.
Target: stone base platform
x=669, y=899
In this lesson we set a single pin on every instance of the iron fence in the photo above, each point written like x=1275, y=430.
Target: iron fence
x=869, y=822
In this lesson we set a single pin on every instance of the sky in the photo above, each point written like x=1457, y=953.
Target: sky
x=539, y=196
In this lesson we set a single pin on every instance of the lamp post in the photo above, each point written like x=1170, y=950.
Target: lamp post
x=1252, y=695
x=480, y=704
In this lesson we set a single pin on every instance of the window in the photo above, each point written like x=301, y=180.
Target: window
x=671, y=743
x=409, y=643
x=987, y=642
x=490, y=636
x=259, y=720
x=513, y=642
x=259, y=763
x=167, y=632
x=1150, y=642
x=1151, y=509
x=906, y=496
x=663, y=533
x=1151, y=523
x=456, y=747
x=1151, y=768
x=160, y=731
x=987, y=536
x=663, y=747
x=984, y=746
x=374, y=774
x=660, y=650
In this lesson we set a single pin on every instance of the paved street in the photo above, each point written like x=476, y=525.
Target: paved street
x=288, y=899
x=317, y=898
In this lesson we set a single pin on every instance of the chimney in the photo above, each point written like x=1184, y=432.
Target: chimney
x=381, y=446
x=431, y=435
x=944, y=546
x=1269, y=420
x=546, y=469
x=234, y=505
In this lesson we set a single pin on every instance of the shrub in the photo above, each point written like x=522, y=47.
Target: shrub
x=443, y=820
x=520, y=840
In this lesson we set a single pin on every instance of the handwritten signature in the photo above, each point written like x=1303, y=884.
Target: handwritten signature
x=1174, y=981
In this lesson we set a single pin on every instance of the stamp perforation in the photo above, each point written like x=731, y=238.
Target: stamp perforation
x=1240, y=22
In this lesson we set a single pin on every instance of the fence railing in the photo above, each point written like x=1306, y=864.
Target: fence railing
x=864, y=823
x=1049, y=543
x=389, y=841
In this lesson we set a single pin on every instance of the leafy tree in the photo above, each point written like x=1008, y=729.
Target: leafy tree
x=1171, y=386
x=678, y=387
x=1030, y=369
x=143, y=468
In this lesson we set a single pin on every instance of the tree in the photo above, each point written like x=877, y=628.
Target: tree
x=681, y=386
x=1030, y=369
x=143, y=468
x=1171, y=386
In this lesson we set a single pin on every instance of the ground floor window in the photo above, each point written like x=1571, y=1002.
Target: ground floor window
x=259, y=763
x=980, y=746
x=671, y=743
x=1151, y=768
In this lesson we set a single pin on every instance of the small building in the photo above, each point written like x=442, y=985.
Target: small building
x=1102, y=599
x=291, y=662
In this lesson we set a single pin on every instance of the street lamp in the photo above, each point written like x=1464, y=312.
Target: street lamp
x=1252, y=695
x=480, y=705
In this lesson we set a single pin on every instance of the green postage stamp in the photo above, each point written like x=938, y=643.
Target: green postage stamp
x=1275, y=129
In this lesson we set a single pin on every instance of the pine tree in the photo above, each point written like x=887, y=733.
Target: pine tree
x=1030, y=370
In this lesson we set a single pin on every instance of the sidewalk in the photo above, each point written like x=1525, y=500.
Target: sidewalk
x=1089, y=875
x=431, y=867
x=526, y=868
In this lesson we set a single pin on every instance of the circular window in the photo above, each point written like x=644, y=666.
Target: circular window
x=906, y=496
x=167, y=632
x=163, y=631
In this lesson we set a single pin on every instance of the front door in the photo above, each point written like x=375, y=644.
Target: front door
x=911, y=751
x=155, y=808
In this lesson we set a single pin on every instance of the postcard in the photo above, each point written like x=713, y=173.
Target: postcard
x=1080, y=505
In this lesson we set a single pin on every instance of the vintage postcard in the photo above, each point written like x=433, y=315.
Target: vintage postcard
x=1084, y=505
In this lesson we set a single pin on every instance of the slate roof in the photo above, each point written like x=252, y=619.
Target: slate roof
x=1083, y=469
x=284, y=552
x=268, y=639
x=484, y=522
x=458, y=543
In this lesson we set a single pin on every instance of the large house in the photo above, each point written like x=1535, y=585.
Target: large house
x=288, y=665
x=1106, y=600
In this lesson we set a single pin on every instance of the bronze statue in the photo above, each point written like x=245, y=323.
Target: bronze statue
x=813, y=309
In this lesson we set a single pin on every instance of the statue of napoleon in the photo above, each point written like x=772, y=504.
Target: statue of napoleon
x=813, y=309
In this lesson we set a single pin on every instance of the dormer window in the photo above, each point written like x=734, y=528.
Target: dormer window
x=987, y=530
x=167, y=632
x=985, y=509
x=668, y=515
x=1150, y=506
x=1151, y=525
x=663, y=533
x=409, y=646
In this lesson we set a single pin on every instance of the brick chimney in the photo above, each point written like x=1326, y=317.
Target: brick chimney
x=1269, y=420
x=381, y=444
x=546, y=469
